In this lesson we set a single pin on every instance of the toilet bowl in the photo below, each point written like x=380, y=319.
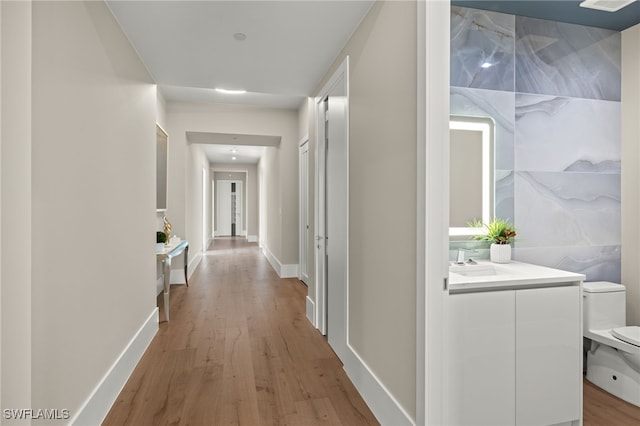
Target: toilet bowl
x=613, y=358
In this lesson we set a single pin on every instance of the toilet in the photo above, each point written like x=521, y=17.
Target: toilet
x=613, y=357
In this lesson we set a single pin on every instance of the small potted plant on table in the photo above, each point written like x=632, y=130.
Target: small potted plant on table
x=161, y=240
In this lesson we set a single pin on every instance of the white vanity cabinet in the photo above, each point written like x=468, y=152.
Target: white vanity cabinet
x=481, y=368
x=514, y=357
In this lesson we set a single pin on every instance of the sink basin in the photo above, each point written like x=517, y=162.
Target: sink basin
x=479, y=270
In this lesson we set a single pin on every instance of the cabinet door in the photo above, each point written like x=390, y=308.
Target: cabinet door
x=480, y=375
x=548, y=355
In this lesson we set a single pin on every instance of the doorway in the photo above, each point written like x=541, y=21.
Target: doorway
x=229, y=208
x=332, y=215
x=304, y=210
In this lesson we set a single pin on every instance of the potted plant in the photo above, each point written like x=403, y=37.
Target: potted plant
x=500, y=233
x=161, y=240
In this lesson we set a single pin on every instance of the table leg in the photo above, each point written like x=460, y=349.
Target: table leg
x=167, y=286
x=186, y=265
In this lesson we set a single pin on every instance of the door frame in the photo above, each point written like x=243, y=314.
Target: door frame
x=433, y=54
x=242, y=206
x=303, y=217
x=321, y=311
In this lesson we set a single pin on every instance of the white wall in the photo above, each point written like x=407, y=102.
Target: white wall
x=630, y=174
x=196, y=162
x=16, y=260
x=82, y=110
x=382, y=195
x=282, y=170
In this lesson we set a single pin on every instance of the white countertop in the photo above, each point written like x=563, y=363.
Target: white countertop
x=486, y=276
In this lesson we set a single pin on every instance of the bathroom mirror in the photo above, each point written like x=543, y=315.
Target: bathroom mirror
x=161, y=169
x=471, y=174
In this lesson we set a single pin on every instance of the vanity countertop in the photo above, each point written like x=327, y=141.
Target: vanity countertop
x=488, y=276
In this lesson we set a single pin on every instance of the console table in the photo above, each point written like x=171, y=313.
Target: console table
x=165, y=257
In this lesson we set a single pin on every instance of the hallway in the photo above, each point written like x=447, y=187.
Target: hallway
x=238, y=351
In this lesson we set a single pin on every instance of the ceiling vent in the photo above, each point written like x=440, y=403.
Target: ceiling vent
x=606, y=5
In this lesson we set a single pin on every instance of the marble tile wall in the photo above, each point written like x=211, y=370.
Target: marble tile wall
x=553, y=90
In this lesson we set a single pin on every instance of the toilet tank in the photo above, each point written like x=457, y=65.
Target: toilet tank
x=604, y=305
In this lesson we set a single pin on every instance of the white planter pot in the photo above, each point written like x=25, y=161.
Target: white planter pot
x=500, y=253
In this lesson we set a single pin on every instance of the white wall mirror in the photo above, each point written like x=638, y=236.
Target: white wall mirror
x=161, y=169
x=471, y=190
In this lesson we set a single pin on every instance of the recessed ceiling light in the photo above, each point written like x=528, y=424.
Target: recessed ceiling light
x=240, y=36
x=606, y=5
x=230, y=92
x=486, y=65
x=233, y=158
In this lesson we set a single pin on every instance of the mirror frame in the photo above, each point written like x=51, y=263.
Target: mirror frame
x=162, y=165
x=486, y=126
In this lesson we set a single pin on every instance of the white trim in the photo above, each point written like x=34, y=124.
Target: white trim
x=320, y=285
x=303, y=193
x=311, y=311
x=384, y=406
x=193, y=264
x=289, y=271
x=432, y=207
x=97, y=406
x=252, y=238
x=283, y=270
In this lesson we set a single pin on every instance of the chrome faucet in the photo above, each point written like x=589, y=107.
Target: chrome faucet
x=461, y=257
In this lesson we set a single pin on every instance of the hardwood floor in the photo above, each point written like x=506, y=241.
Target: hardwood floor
x=239, y=351
x=603, y=409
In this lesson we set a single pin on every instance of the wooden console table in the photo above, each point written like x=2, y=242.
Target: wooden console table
x=165, y=257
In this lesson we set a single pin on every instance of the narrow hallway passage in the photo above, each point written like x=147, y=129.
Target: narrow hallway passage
x=238, y=351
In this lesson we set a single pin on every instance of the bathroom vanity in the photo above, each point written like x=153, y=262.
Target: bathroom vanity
x=514, y=345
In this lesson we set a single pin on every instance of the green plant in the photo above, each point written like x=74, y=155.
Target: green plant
x=499, y=231
x=161, y=237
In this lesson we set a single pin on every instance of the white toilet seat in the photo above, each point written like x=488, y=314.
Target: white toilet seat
x=629, y=335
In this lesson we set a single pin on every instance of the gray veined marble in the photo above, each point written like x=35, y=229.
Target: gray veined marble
x=556, y=58
x=567, y=209
x=497, y=105
x=503, y=195
x=567, y=134
x=482, y=44
x=598, y=263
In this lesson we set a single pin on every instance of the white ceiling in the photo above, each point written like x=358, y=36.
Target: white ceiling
x=189, y=48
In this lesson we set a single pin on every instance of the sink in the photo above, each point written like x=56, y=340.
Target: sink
x=479, y=270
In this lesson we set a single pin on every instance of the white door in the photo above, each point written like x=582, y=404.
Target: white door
x=337, y=219
x=331, y=247
x=304, y=211
x=224, y=208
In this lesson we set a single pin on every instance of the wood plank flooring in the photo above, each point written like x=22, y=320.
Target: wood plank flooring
x=603, y=409
x=239, y=351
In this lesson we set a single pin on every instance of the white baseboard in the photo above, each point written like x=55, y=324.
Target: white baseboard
x=97, y=406
x=193, y=264
x=289, y=271
x=311, y=311
x=252, y=238
x=383, y=405
x=177, y=275
x=283, y=271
